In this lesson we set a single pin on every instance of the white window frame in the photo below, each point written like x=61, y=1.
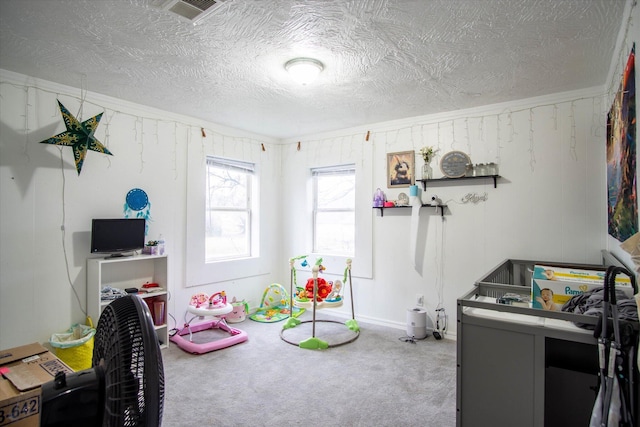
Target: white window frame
x=197, y=270
x=299, y=213
x=249, y=170
x=318, y=173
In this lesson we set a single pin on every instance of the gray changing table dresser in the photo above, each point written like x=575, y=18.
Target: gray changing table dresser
x=518, y=366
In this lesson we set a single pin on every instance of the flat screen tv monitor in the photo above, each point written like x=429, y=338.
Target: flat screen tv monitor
x=117, y=237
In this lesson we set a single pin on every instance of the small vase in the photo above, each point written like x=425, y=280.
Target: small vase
x=427, y=171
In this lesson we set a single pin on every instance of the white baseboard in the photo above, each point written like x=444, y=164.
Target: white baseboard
x=383, y=322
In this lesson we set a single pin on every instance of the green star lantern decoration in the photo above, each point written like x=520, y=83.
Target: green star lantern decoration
x=79, y=136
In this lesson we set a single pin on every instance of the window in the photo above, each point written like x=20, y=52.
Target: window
x=228, y=209
x=334, y=210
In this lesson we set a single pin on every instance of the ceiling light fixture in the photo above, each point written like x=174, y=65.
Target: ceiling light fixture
x=304, y=70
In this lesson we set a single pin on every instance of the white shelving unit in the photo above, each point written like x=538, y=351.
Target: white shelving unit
x=128, y=272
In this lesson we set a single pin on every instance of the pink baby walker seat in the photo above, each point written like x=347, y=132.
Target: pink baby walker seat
x=202, y=305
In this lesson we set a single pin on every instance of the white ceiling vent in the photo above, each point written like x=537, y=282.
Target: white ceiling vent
x=193, y=10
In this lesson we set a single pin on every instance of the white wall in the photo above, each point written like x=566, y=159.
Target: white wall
x=39, y=196
x=549, y=205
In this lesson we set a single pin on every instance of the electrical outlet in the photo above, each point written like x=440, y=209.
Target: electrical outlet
x=420, y=300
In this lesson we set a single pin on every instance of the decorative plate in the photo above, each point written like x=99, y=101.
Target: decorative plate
x=454, y=164
x=403, y=199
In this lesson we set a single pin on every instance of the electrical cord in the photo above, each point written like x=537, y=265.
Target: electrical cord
x=64, y=246
x=438, y=254
x=175, y=322
x=412, y=340
x=441, y=317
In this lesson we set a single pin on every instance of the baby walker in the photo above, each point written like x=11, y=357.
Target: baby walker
x=202, y=305
x=317, y=294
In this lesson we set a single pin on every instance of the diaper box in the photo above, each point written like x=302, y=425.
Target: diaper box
x=552, y=286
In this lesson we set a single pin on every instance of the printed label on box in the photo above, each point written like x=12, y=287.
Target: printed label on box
x=54, y=366
x=18, y=409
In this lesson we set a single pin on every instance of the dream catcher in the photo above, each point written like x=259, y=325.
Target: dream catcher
x=137, y=205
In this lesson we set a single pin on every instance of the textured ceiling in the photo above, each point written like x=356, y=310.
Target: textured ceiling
x=384, y=59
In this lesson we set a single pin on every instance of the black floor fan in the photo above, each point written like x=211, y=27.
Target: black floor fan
x=125, y=386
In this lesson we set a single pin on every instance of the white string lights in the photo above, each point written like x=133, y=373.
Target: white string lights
x=466, y=129
x=107, y=135
x=113, y=115
x=175, y=151
x=27, y=130
x=500, y=126
x=444, y=136
x=141, y=141
x=393, y=139
x=573, y=142
x=453, y=134
x=512, y=130
x=346, y=148
x=498, y=140
x=532, y=154
x=596, y=115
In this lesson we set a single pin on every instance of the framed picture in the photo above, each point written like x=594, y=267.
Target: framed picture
x=401, y=169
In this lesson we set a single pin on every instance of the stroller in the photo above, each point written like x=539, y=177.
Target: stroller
x=615, y=403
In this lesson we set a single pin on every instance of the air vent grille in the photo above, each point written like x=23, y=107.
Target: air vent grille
x=201, y=4
x=193, y=10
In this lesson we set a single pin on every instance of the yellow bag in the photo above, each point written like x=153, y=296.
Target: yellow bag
x=75, y=346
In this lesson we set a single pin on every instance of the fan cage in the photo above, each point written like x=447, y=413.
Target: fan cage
x=127, y=347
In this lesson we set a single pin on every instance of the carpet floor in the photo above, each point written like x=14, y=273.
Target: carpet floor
x=378, y=379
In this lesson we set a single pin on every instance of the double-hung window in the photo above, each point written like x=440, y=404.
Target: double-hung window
x=334, y=209
x=228, y=209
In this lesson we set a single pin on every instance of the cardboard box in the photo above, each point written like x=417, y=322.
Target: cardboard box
x=552, y=286
x=24, y=369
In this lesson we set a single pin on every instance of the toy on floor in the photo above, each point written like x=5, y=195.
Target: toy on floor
x=274, y=306
x=317, y=294
x=202, y=305
x=239, y=312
